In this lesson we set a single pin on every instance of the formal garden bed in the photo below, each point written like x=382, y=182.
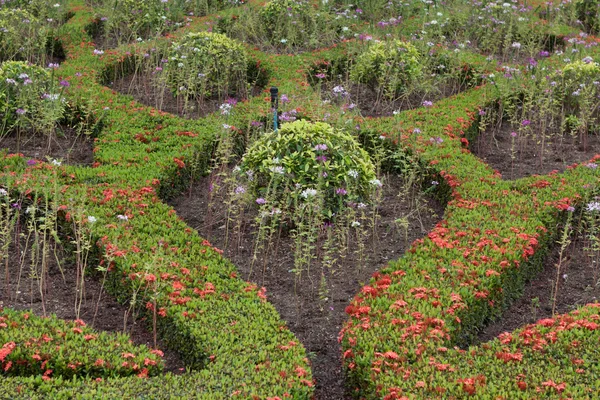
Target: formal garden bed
x=317, y=269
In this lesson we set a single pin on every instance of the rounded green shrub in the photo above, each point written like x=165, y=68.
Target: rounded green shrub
x=292, y=23
x=309, y=161
x=27, y=97
x=21, y=34
x=388, y=66
x=207, y=64
x=127, y=20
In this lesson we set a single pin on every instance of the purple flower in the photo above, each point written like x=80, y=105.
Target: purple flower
x=284, y=99
x=16, y=205
x=31, y=162
x=427, y=103
x=513, y=134
x=256, y=123
x=320, y=76
x=341, y=191
x=53, y=65
x=526, y=122
x=416, y=130
x=64, y=83
x=20, y=111
x=592, y=165
x=321, y=158
x=482, y=112
x=321, y=147
x=231, y=101
x=261, y=201
x=544, y=53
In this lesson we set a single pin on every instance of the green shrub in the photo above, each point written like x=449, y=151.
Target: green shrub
x=207, y=64
x=388, y=66
x=128, y=20
x=21, y=34
x=306, y=160
x=286, y=25
x=27, y=97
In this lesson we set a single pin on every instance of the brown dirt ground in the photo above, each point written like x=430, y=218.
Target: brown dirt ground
x=578, y=284
x=314, y=320
x=66, y=145
x=497, y=147
x=98, y=309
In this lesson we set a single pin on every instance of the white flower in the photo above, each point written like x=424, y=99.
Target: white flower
x=57, y=5
x=353, y=174
x=593, y=206
x=98, y=52
x=376, y=182
x=3, y=192
x=122, y=217
x=308, y=193
x=225, y=126
x=56, y=162
x=283, y=41
x=278, y=169
x=355, y=224
x=91, y=219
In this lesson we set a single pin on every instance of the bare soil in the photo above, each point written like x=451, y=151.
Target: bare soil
x=144, y=91
x=66, y=145
x=577, y=275
x=372, y=103
x=313, y=304
x=20, y=284
x=518, y=157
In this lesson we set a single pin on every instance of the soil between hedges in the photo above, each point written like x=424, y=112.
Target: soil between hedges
x=497, y=147
x=316, y=322
x=99, y=309
x=578, y=284
x=66, y=145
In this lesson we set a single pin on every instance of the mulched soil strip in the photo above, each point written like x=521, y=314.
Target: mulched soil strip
x=578, y=284
x=497, y=147
x=315, y=322
x=371, y=104
x=66, y=145
x=104, y=315
x=143, y=91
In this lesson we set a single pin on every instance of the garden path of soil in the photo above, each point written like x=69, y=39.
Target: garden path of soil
x=578, y=284
x=98, y=310
x=145, y=92
x=372, y=104
x=66, y=145
x=559, y=152
x=316, y=322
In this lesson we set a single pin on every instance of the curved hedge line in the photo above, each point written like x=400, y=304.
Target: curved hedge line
x=402, y=327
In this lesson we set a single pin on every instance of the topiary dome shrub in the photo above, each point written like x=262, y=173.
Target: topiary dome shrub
x=388, y=66
x=205, y=64
x=309, y=162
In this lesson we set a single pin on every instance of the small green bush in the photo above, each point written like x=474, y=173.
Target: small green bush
x=21, y=34
x=286, y=25
x=28, y=96
x=388, y=66
x=309, y=160
x=207, y=64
